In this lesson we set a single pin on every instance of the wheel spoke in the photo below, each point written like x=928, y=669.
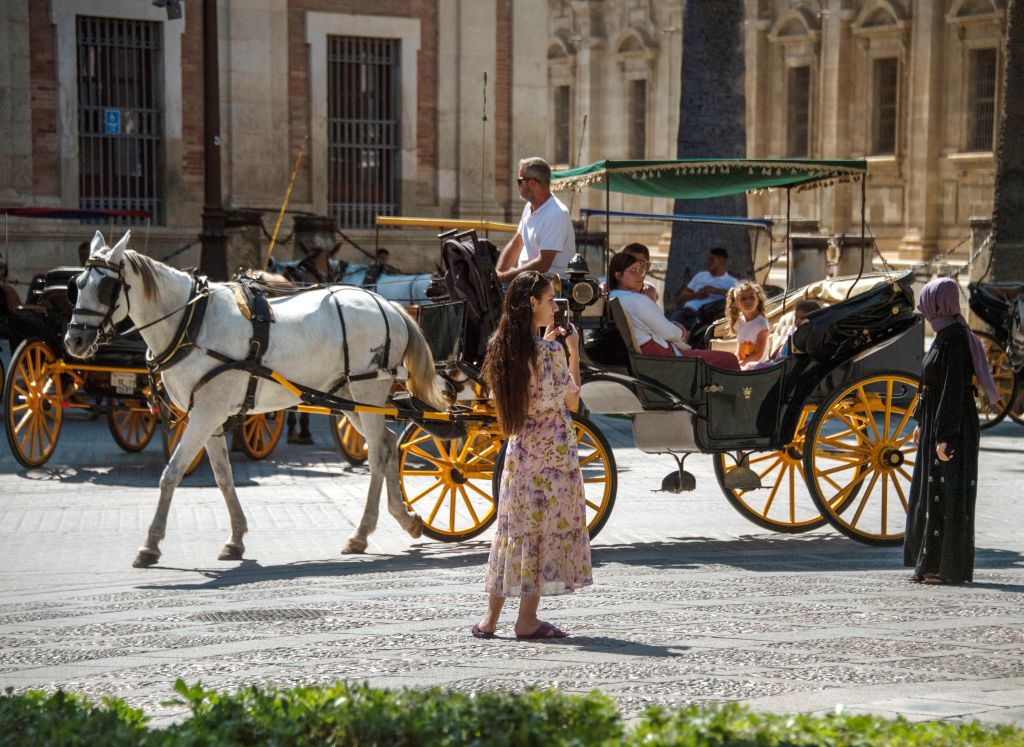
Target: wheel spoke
x=483, y=493
x=899, y=492
x=888, y=408
x=437, y=506
x=864, y=501
x=421, y=495
x=469, y=505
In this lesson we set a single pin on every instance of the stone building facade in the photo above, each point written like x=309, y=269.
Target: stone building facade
x=102, y=106
x=913, y=86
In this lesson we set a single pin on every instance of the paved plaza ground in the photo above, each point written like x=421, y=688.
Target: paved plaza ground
x=691, y=603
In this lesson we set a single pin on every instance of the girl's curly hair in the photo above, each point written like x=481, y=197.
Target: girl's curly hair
x=511, y=351
x=732, y=308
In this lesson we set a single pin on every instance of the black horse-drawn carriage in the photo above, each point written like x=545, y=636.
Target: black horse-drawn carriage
x=823, y=436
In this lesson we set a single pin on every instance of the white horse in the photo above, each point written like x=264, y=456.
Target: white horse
x=408, y=290
x=307, y=346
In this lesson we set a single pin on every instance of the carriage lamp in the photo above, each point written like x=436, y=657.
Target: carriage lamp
x=580, y=289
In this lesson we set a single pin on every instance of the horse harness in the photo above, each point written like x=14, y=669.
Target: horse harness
x=261, y=316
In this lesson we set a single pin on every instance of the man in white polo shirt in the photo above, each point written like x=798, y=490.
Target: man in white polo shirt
x=545, y=241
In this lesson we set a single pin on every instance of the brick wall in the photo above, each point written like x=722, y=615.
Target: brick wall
x=192, y=166
x=503, y=160
x=298, y=82
x=43, y=70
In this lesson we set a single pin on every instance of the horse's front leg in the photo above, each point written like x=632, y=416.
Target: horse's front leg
x=197, y=432
x=217, y=450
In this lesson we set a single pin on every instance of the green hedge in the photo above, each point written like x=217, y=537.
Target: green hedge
x=364, y=716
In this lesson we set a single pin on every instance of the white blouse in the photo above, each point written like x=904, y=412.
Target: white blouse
x=647, y=320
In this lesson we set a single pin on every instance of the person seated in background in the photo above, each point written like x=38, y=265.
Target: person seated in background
x=704, y=288
x=83, y=253
x=643, y=255
x=744, y=308
x=655, y=335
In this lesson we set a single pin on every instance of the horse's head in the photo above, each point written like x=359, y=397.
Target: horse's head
x=1015, y=344
x=98, y=297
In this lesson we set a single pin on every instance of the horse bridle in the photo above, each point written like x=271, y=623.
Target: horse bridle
x=108, y=292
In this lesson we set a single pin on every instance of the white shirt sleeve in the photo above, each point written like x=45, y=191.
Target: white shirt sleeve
x=648, y=313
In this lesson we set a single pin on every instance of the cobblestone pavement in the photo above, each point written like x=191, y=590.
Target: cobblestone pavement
x=691, y=603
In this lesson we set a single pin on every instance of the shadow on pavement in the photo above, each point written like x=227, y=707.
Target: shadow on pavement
x=777, y=553
x=759, y=554
x=426, y=556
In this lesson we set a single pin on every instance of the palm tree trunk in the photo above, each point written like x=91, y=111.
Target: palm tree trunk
x=1008, y=211
x=712, y=123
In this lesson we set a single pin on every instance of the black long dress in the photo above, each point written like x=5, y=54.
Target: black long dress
x=940, y=516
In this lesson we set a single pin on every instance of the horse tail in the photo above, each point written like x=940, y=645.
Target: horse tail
x=420, y=363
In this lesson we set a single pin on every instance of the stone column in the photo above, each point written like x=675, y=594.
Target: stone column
x=530, y=116
x=254, y=102
x=836, y=91
x=477, y=29
x=924, y=106
x=244, y=239
x=15, y=104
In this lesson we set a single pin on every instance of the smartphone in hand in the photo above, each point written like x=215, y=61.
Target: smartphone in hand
x=562, y=315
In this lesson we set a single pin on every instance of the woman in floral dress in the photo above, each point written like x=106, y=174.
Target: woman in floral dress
x=541, y=547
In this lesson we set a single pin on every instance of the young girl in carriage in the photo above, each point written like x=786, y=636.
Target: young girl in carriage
x=744, y=307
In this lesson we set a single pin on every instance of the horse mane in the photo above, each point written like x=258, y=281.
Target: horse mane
x=146, y=267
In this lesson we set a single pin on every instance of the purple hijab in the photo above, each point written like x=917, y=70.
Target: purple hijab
x=940, y=304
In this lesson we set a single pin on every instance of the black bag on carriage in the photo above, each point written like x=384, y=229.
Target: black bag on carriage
x=845, y=329
x=470, y=276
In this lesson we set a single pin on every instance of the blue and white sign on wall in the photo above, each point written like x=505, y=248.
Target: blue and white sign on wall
x=112, y=121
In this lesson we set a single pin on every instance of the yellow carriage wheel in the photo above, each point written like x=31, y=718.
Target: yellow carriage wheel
x=783, y=503
x=1017, y=410
x=132, y=424
x=600, y=476
x=172, y=434
x=448, y=483
x=350, y=442
x=33, y=403
x=991, y=413
x=860, y=456
x=260, y=433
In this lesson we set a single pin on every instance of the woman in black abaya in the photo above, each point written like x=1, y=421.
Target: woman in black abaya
x=939, y=541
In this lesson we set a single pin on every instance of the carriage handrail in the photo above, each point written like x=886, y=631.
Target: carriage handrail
x=444, y=223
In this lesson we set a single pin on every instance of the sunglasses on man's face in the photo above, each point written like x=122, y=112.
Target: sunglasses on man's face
x=521, y=179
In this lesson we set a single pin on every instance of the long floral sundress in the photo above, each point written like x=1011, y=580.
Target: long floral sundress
x=541, y=547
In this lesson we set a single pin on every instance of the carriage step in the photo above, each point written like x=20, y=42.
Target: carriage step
x=741, y=477
x=678, y=481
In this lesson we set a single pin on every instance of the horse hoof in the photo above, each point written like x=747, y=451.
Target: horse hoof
x=354, y=547
x=145, y=559
x=231, y=552
x=416, y=530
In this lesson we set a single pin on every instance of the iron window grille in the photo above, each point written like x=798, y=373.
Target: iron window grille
x=563, y=124
x=363, y=129
x=120, y=115
x=885, y=86
x=982, y=99
x=798, y=112
x=637, y=119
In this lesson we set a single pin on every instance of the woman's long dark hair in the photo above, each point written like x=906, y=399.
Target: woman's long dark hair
x=511, y=351
x=620, y=262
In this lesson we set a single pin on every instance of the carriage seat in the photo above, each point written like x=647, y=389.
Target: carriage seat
x=780, y=316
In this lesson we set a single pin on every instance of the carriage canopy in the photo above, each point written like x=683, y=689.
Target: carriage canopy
x=701, y=178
